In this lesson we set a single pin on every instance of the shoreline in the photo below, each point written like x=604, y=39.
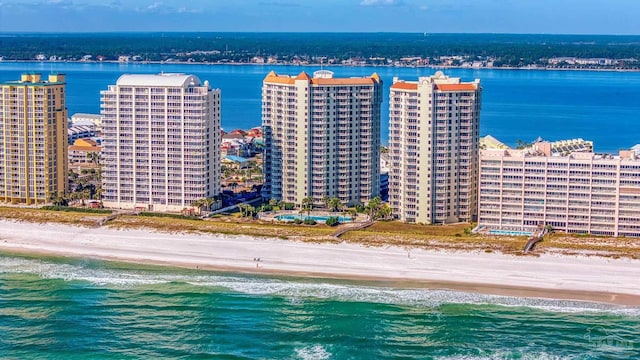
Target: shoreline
x=608, y=298
x=433, y=67
x=548, y=276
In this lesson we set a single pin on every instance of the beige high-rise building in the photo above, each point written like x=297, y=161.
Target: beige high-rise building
x=322, y=137
x=575, y=192
x=33, y=139
x=161, y=146
x=433, y=149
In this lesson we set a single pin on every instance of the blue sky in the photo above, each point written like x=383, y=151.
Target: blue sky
x=490, y=16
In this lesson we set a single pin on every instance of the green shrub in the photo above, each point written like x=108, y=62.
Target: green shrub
x=332, y=221
x=173, y=216
x=297, y=221
x=75, y=209
x=289, y=206
x=309, y=221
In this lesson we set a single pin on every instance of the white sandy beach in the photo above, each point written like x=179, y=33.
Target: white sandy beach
x=554, y=276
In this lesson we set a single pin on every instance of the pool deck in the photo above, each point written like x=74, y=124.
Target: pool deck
x=271, y=215
x=500, y=232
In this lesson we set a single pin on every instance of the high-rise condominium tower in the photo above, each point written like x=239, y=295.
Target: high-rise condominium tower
x=161, y=143
x=33, y=139
x=433, y=145
x=322, y=137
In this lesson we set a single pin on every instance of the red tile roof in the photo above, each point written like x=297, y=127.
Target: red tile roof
x=401, y=85
x=274, y=78
x=456, y=87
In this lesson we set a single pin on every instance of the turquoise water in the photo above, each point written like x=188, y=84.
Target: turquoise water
x=510, y=232
x=317, y=218
x=80, y=309
x=516, y=104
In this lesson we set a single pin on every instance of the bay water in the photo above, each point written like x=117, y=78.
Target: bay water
x=516, y=104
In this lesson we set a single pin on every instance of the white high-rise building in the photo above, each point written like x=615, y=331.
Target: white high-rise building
x=433, y=148
x=322, y=137
x=161, y=142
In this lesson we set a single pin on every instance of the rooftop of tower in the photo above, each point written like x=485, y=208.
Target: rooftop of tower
x=36, y=79
x=163, y=79
x=321, y=77
x=439, y=80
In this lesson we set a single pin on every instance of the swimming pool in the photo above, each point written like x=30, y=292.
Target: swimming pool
x=510, y=232
x=317, y=218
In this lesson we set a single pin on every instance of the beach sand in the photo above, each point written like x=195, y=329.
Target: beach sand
x=547, y=276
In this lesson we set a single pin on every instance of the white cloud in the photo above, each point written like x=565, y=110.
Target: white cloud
x=154, y=6
x=184, y=10
x=379, y=2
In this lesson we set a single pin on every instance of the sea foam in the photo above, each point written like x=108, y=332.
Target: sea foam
x=296, y=290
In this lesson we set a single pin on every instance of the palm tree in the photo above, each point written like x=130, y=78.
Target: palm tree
x=60, y=201
x=85, y=195
x=374, y=206
x=307, y=204
x=334, y=204
x=353, y=213
x=251, y=211
x=98, y=194
x=233, y=186
x=246, y=210
x=241, y=207
x=198, y=205
x=385, y=212
x=325, y=201
x=208, y=202
x=74, y=196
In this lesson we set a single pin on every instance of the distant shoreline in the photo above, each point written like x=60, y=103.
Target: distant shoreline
x=434, y=67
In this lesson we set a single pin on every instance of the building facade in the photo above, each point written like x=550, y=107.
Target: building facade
x=161, y=142
x=433, y=149
x=580, y=192
x=321, y=137
x=33, y=139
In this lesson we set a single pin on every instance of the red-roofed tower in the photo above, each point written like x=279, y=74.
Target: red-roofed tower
x=433, y=148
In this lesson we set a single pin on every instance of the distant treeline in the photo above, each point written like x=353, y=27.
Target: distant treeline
x=509, y=49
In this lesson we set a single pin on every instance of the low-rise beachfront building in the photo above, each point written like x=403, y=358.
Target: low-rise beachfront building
x=161, y=142
x=577, y=192
x=433, y=149
x=321, y=137
x=33, y=139
x=92, y=120
x=80, y=132
x=85, y=151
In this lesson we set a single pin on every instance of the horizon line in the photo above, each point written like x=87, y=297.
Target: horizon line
x=307, y=32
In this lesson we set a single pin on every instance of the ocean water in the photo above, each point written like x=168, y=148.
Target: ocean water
x=517, y=104
x=87, y=309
